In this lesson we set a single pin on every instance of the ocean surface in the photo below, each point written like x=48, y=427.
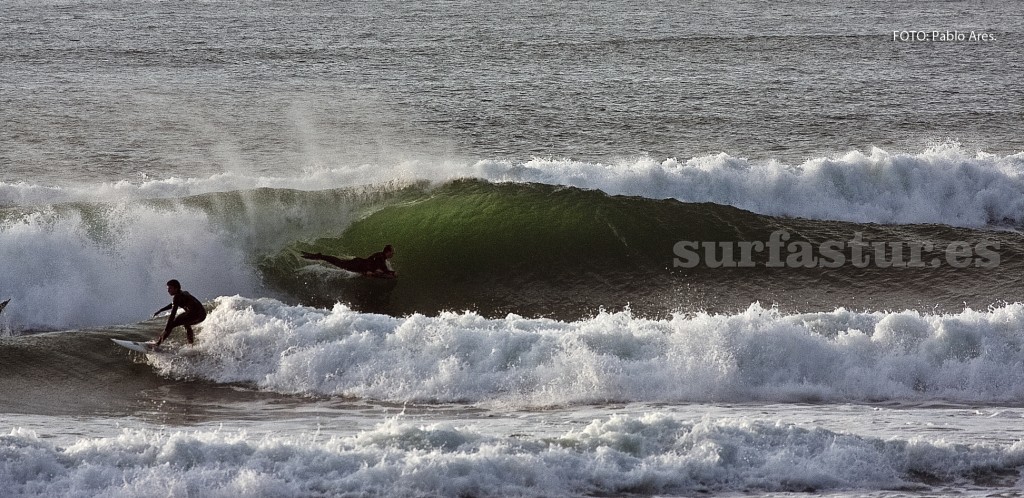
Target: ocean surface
x=712, y=248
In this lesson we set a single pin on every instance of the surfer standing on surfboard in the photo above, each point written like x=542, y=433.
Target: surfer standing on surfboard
x=193, y=312
x=376, y=265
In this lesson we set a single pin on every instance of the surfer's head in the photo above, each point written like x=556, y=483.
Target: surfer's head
x=173, y=287
x=389, y=251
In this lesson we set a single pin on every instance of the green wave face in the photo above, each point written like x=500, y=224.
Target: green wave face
x=471, y=230
x=541, y=250
x=503, y=247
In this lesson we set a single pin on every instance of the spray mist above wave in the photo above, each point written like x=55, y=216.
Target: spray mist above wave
x=756, y=355
x=652, y=454
x=366, y=176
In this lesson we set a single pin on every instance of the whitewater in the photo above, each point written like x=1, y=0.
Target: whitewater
x=648, y=454
x=520, y=363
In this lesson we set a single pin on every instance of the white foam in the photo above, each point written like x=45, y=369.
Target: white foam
x=757, y=355
x=652, y=454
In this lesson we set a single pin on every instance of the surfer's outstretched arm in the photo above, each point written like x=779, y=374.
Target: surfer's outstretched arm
x=168, y=327
x=165, y=308
x=340, y=263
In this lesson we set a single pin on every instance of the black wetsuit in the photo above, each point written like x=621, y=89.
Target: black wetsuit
x=194, y=311
x=376, y=262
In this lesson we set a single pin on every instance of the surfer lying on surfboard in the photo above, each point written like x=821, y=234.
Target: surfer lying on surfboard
x=376, y=265
x=193, y=314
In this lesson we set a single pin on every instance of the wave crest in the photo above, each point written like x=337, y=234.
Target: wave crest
x=942, y=185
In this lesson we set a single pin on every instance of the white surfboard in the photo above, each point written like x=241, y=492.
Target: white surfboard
x=141, y=347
